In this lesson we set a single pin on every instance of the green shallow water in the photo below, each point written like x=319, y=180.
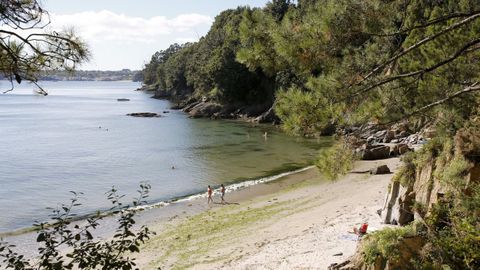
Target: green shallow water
x=240, y=151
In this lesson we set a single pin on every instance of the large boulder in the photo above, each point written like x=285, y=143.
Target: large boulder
x=399, y=149
x=382, y=169
x=375, y=152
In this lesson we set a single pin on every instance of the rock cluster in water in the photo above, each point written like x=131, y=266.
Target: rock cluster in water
x=144, y=114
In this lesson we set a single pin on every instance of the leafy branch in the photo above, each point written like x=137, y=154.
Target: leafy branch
x=64, y=245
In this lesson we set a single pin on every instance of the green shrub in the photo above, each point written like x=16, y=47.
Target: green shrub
x=454, y=173
x=406, y=173
x=385, y=243
x=454, y=230
x=64, y=245
x=336, y=161
x=429, y=151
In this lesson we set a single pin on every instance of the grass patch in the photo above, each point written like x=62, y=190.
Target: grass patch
x=193, y=238
x=190, y=242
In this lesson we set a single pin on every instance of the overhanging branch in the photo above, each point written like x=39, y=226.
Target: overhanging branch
x=418, y=44
x=461, y=51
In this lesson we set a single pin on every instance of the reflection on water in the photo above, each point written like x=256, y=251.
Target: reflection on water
x=79, y=138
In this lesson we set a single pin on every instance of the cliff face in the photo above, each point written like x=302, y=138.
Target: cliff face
x=437, y=187
x=424, y=179
x=424, y=189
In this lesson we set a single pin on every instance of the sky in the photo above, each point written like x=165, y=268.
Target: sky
x=125, y=33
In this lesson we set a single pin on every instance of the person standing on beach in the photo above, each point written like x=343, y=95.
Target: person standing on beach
x=222, y=191
x=209, y=193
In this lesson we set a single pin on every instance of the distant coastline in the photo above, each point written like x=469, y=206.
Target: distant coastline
x=92, y=75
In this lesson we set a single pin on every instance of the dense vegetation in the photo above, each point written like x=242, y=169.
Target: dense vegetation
x=209, y=67
x=343, y=62
x=347, y=62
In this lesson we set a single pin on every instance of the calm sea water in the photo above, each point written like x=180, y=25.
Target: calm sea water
x=78, y=138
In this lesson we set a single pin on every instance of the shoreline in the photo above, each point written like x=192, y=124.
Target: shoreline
x=159, y=204
x=297, y=212
x=158, y=212
x=299, y=220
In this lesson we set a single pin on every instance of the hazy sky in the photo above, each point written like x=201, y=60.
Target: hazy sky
x=125, y=33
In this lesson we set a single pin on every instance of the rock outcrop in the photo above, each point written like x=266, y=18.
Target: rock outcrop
x=148, y=88
x=444, y=167
x=397, y=207
x=144, y=114
x=423, y=186
x=399, y=133
x=382, y=169
x=374, y=152
x=267, y=117
x=399, y=149
x=203, y=109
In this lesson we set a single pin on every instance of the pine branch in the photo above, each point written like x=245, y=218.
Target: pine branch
x=472, y=88
x=418, y=44
x=457, y=54
x=429, y=23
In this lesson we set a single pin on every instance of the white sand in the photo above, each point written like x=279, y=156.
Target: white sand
x=304, y=237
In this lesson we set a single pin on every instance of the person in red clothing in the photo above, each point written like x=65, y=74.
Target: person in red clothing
x=209, y=193
x=362, y=230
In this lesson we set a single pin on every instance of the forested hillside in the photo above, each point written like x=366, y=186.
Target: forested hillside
x=209, y=67
x=345, y=61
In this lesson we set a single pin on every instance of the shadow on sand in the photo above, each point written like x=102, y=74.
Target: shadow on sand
x=226, y=203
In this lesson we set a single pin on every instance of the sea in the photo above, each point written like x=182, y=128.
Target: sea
x=79, y=139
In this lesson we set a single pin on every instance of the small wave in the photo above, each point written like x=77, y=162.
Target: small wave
x=228, y=189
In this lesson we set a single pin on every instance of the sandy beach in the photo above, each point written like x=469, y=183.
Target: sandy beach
x=300, y=221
